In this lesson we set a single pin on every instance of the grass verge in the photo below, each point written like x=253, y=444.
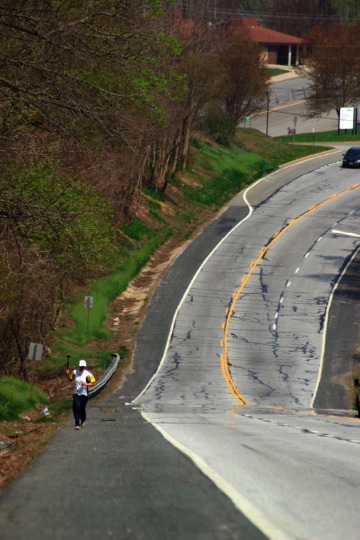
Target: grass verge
x=322, y=137
x=17, y=396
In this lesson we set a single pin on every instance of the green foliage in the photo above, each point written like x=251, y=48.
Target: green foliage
x=156, y=216
x=224, y=171
x=16, y=397
x=154, y=194
x=46, y=420
x=348, y=10
x=220, y=128
x=108, y=288
x=95, y=74
x=273, y=72
x=136, y=230
x=62, y=216
x=155, y=6
x=231, y=169
x=57, y=408
x=58, y=361
x=124, y=352
x=153, y=204
x=274, y=151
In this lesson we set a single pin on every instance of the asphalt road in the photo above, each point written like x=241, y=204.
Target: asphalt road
x=287, y=91
x=282, y=117
x=287, y=109
x=119, y=477
x=276, y=449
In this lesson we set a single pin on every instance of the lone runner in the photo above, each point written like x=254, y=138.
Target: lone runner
x=82, y=380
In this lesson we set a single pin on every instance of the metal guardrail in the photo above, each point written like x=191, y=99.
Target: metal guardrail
x=101, y=382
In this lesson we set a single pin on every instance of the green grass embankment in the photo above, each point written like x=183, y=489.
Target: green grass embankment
x=17, y=396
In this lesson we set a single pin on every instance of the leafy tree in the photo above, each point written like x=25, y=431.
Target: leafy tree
x=246, y=78
x=80, y=84
x=348, y=11
x=222, y=73
x=200, y=75
x=205, y=80
x=334, y=69
x=53, y=233
x=92, y=71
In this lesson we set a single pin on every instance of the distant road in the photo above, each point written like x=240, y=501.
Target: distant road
x=289, y=90
x=286, y=103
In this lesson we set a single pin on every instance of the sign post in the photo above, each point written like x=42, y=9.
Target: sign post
x=35, y=353
x=348, y=118
x=294, y=131
x=267, y=92
x=88, y=303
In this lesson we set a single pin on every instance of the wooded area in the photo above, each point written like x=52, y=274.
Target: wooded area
x=98, y=100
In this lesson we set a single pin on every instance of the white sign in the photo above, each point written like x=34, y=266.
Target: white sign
x=346, y=118
x=89, y=301
x=35, y=351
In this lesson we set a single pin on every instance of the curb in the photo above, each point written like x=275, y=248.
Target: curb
x=306, y=158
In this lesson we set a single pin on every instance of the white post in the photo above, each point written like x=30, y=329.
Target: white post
x=289, y=56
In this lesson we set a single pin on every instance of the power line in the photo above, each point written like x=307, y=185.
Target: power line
x=263, y=14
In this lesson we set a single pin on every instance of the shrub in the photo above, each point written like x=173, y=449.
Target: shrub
x=220, y=128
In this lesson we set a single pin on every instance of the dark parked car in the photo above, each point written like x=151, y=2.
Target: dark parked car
x=352, y=157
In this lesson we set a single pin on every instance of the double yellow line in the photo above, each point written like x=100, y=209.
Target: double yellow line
x=229, y=311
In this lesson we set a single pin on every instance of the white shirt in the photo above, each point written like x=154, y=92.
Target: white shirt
x=79, y=377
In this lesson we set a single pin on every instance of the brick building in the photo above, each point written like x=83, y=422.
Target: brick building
x=278, y=48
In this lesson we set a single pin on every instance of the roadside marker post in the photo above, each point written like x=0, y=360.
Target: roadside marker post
x=88, y=303
x=35, y=353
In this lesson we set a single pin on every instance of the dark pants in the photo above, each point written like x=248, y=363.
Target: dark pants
x=79, y=409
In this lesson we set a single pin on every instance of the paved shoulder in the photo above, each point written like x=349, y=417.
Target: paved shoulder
x=117, y=478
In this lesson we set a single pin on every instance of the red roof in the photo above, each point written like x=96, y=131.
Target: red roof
x=265, y=35
x=249, y=25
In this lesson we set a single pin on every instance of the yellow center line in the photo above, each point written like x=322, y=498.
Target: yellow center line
x=229, y=311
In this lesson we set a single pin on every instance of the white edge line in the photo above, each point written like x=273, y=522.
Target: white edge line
x=247, y=508
x=326, y=326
